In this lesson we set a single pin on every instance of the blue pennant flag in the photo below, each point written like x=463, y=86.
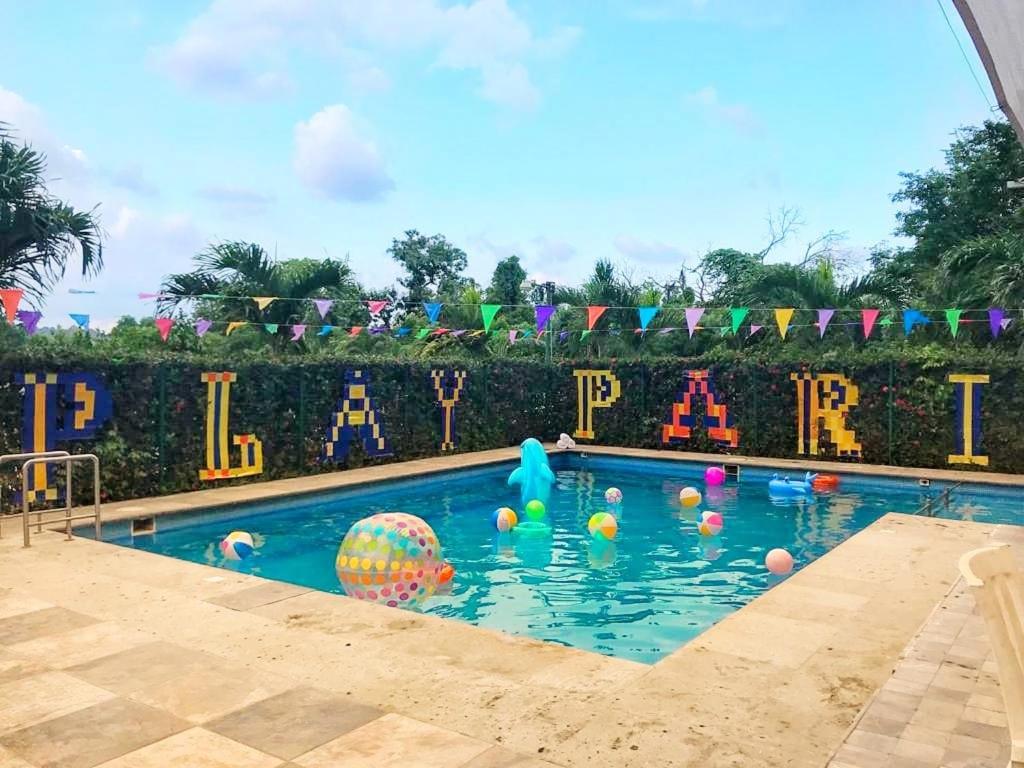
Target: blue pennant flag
x=912, y=317
x=646, y=315
x=403, y=331
x=562, y=336
x=81, y=320
x=433, y=310
x=325, y=330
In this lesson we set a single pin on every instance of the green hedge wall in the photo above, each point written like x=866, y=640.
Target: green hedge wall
x=154, y=443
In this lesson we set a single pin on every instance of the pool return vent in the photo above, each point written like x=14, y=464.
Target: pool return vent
x=143, y=526
x=924, y=482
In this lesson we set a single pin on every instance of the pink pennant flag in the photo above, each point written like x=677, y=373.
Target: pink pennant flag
x=1005, y=322
x=298, y=331
x=754, y=329
x=693, y=316
x=376, y=306
x=147, y=296
x=163, y=324
x=323, y=306
x=867, y=318
x=824, y=318
x=355, y=330
x=512, y=336
x=202, y=326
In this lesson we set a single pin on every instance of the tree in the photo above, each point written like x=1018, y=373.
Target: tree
x=507, y=282
x=431, y=264
x=38, y=232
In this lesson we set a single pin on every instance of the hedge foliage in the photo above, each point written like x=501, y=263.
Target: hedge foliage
x=154, y=444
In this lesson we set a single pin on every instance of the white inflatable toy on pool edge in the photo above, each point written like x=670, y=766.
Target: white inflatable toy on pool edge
x=565, y=442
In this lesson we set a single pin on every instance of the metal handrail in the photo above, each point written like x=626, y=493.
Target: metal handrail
x=67, y=461
x=8, y=457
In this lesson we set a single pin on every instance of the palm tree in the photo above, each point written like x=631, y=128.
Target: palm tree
x=39, y=233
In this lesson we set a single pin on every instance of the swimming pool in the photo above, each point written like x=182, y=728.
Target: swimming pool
x=640, y=597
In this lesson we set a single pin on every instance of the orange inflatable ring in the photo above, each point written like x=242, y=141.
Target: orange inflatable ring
x=447, y=573
x=825, y=483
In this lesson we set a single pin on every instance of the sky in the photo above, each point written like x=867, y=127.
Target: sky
x=641, y=131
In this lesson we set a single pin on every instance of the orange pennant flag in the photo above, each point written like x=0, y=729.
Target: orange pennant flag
x=593, y=315
x=231, y=327
x=11, y=297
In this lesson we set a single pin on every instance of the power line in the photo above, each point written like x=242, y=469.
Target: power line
x=967, y=59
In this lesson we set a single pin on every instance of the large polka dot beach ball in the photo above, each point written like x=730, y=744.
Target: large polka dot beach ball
x=613, y=496
x=689, y=497
x=390, y=558
x=237, y=545
x=603, y=525
x=504, y=519
x=710, y=523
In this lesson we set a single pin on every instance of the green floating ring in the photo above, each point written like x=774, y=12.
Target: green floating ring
x=532, y=529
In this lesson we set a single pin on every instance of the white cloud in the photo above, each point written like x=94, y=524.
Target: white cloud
x=134, y=179
x=739, y=116
x=243, y=47
x=26, y=121
x=650, y=251
x=333, y=158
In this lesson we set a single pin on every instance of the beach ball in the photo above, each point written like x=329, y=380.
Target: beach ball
x=237, y=545
x=714, y=476
x=535, y=509
x=603, y=525
x=689, y=497
x=390, y=558
x=504, y=519
x=613, y=496
x=710, y=523
x=779, y=562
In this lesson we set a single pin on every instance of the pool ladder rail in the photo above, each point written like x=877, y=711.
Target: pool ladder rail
x=54, y=457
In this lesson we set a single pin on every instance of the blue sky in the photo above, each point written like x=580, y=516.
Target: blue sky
x=644, y=131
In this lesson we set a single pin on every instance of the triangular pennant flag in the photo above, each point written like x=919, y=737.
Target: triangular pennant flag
x=584, y=335
x=376, y=306
x=543, y=313
x=526, y=333
x=11, y=297
x=693, y=316
x=146, y=296
x=263, y=301
x=422, y=333
x=325, y=330
x=512, y=336
x=29, y=320
x=782, y=318
x=475, y=334
x=867, y=319
x=270, y=327
x=1005, y=322
x=82, y=321
x=663, y=331
x=824, y=318
x=323, y=306
x=202, y=326
x=885, y=322
x=646, y=315
x=487, y=313
x=593, y=315
x=298, y=331
x=953, y=318
x=723, y=331
x=355, y=330
x=377, y=331
x=163, y=324
x=754, y=329
x=995, y=321
x=738, y=314
x=403, y=331
x=459, y=332
x=912, y=317
x=231, y=327
x=433, y=310
x=562, y=336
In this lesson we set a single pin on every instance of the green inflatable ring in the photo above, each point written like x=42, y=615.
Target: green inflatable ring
x=532, y=529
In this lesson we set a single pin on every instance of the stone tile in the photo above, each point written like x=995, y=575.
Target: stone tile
x=261, y=594
x=988, y=717
x=13, y=667
x=993, y=733
x=875, y=742
x=46, y=621
x=938, y=693
x=294, y=722
x=991, y=703
x=82, y=644
x=203, y=694
x=928, y=754
x=972, y=746
x=882, y=725
x=742, y=634
x=142, y=666
x=93, y=735
x=395, y=741
x=499, y=757
x=905, y=686
x=32, y=699
x=941, y=715
x=195, y=748
x=12, y=604
x=954, y=759
x=922, y=734
x=916, y=671
x=861, y=758
x=954, y=678
x=9, y=760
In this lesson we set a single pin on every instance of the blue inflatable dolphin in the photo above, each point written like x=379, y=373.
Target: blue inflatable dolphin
x=786, y=487
x=534, y=476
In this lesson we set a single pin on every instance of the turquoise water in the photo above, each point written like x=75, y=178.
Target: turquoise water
x=658, y=585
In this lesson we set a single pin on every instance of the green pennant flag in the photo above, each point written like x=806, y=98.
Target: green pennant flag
x=487, y=312
x=953, y=318
x=584, y=335
x=270, y=327
x=886, y=321
x=738, y=314
x=422, y=333
x=724, y=330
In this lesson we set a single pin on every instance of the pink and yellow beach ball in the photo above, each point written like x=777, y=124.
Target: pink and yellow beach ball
x=390, y=558
x=710, y=523
x=603, y=525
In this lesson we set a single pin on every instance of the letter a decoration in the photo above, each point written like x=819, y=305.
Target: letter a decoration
x=822, y=403
x=448, y=386
x=967, y=418
x=218, y=452
x=59, y=407
x=594, y=389
x=682, y=419
x=356, y=415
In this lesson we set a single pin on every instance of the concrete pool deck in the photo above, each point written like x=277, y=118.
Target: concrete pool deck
x=118, y=657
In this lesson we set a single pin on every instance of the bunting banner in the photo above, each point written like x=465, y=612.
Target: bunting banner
x=263, y=301
x=355, y=330
x=29, y=320
x=867, y=320
x=270, y=328
x=911, y=318
x=433, y=310
x=953, y=318
x=323, y=306
x=202, y=326
x=512, y=337
x=593, y=315
x=995, y=321
x=737, y=315
x=824, y=318
x=754, y=329
x=782, y=318
x=164, y=324
x=376, y=306
x=693, y=316
x=422, y=333
x=232, y=327
x=325, y=330
x=11, y=298
x=543, y=313
x=297, y=332
x=82, y=321
x=646, y=315
x=487, y=313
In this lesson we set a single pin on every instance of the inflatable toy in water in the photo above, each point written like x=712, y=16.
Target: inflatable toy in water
x=714, y=475
x=602, y=525
x=504, y=519
x=613, y=496
x=447, y=573
x=533, y=476
x=237, y=545
x=689, y=497
x=825, y=483
x=710, y=523
x=779, y=562
x=784, y=487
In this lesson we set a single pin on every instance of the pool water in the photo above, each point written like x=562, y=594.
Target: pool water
x=639, y=597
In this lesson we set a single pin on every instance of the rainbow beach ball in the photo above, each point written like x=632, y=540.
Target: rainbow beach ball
x=710, y=523
x=504, y=519
x=613, y=496
x=390, y=558
x=690, y=497
x=237, y=545
x=602, y=525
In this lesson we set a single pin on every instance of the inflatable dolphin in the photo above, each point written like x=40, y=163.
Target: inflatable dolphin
x=534, y=476
x=786, y=487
